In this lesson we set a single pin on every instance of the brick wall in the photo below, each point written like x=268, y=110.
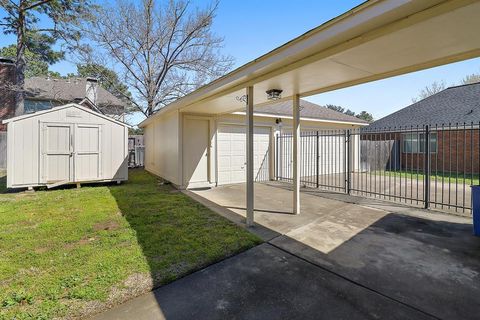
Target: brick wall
x=457, y=151
x=7, y=96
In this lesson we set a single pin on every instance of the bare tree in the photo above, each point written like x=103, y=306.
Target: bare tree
x=161, y=50
x=471, y=78
x=430, y=90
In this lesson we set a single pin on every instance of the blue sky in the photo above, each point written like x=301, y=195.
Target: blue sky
x=252, y=28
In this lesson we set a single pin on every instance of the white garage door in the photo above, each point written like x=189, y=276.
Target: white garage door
x=231, y=143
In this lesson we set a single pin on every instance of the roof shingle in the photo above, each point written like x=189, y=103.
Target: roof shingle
x=307, y=110
x=67, y=90
x=459, y=104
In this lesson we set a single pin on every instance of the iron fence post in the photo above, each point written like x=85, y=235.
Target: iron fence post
x=426, y=168
x=317, y=164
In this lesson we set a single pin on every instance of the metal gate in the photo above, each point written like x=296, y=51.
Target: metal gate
x=323, y=159
x=390, y=164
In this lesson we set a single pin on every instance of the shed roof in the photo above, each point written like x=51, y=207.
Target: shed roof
x=68, y=105
x=459, y=104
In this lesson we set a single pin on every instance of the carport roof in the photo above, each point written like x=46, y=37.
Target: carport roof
x=376, y=40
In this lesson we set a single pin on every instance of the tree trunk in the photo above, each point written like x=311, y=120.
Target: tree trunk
x=150, y=107
x=20, y=64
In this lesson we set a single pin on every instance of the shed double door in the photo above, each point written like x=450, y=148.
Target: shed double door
x=70, y=152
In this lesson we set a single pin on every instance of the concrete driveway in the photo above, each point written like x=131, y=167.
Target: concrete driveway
x=335, y=260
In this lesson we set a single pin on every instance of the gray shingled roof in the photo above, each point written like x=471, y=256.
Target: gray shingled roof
x=460, y=104
x=307, y=110
x=67, y=90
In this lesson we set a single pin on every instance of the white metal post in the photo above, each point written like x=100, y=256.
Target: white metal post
x=250, y=185
x=296, y=154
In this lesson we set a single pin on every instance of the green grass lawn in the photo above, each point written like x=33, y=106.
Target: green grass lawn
x=439, y=176
x=72, y=252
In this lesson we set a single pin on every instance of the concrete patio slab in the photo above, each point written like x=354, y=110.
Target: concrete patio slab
x=423, y=259
x=263, y=283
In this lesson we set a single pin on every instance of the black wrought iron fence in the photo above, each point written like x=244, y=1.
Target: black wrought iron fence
x=429, y=166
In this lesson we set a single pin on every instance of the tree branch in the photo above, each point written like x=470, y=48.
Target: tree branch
x=34, y=5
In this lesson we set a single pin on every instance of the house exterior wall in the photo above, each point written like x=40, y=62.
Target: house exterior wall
x=162, y=147
x=167, y=137
x=457, y=151
x=25, y=139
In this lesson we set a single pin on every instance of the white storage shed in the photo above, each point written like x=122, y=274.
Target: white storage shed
x=65, y=144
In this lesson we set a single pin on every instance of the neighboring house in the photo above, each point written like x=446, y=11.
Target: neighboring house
x=42, y=93
x=192, y=151
x=453, y=117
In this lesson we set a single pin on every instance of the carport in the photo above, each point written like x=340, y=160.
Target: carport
x=376, y=40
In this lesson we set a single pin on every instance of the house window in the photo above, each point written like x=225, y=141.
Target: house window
x=38, y=105
x=415, y=143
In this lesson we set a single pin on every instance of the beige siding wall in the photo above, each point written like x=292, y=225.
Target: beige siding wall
x=25, y=139
x=163, y=142
x=162, y=147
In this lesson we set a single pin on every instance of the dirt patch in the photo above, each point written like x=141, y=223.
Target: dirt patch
x=41, y=250
x=134, y=286
x=81, y=242
x=28, y=224
x=25, y=194
x=108, y=225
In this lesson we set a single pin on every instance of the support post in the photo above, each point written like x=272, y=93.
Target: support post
x=426, y=168
x=348, y=161
x=249, y=135
x=317, y=162
x=296, y=154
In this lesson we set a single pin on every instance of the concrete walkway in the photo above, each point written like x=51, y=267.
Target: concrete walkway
x=335, y=260
x=263, y=283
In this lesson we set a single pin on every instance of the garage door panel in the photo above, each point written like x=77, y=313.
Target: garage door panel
x=238, y=161
x=231, y=143
x=224, y=162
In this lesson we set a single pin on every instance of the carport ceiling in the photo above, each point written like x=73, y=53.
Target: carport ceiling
x=376, y=40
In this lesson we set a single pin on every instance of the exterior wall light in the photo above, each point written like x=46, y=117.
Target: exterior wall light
x=274, y=94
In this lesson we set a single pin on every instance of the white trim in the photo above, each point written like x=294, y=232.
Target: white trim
x=249, y=181
x=269, y=115
x=296, y=156
x=68, y=105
